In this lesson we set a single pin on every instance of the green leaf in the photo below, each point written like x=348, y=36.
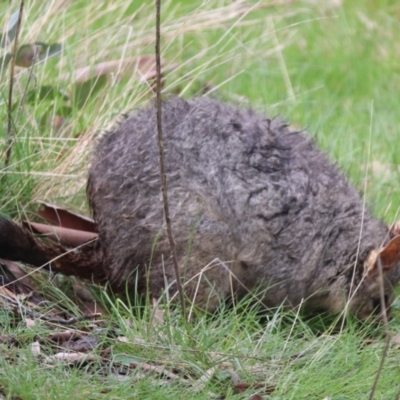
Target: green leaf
x=51, y=50
x=82, y=92
x=27, y=54
x=46, y=92
x=9, y=34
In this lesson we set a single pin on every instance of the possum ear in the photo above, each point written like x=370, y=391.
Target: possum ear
x=389, y=256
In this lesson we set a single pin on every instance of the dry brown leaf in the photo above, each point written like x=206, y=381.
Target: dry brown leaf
x=256, y=397
x=59, y=216
x=7, y=293
x=61, y=337
x=81, y=344
x=16, y=281
x=65, y=236
x=20, y=275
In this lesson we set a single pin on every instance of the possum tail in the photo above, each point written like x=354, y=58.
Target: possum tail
x=19, y=244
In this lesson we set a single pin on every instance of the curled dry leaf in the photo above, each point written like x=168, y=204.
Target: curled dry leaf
x=65, y=236
x=59, y=216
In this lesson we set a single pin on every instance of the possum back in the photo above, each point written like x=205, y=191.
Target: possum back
x=251, y=204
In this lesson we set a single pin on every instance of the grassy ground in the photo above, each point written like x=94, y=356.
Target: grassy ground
x=329, y=67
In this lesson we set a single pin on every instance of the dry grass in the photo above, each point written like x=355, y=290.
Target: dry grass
x=112, y=32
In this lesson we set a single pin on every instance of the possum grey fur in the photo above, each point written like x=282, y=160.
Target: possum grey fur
x=253, y=205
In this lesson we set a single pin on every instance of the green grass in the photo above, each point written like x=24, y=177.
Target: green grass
x=333, y=70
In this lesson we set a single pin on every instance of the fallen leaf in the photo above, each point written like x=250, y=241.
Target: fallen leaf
x=71, y=357
x=84, y=343
x=35, y=348
x=19, y=275
x=65, y=236
x=29, y=322
x=61, y=337
x=16, y=280
x=59, y=216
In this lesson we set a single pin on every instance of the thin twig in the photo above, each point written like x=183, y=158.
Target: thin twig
x=69, y=321
x=10, y=90
x=162, y=163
